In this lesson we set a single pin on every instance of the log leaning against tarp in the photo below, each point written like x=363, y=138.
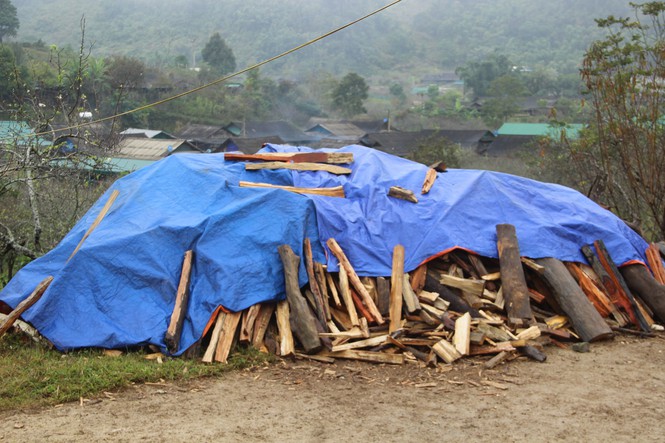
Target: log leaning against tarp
x=25, y=304
x=172, y=336
x=587, y=321
x=640, y=280
x=515, y=291
x=303, y=322
x=295, y=157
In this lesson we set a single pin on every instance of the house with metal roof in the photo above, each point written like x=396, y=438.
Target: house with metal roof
x=146, y=133
x=571, y=130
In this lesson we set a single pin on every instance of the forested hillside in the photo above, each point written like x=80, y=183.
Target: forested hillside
x=415, y=34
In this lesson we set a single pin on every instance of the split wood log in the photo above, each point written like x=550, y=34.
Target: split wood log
x=497, y=360
x=333, y=290
x=355, y=281
x=261, y=324
x=462, y=337
x=515, y=291
x=286, y=345
x=360, y=307
x=383, y=294
x=367, y=343
x=446, y=351
x=480, y=269
x=345, y=291
x=321, y=312
x=418, y=277
x=402, y=194
x=531, y=333
x=410, y=298
x=457, y=304
x=342, y=319
x=611, y=268
x=439, y=166
x=295, y=157
x=617, y=297
x=533, y=353
x=335, y=191
x=587, y=321
x=430, y=178
x=172, y=336
x=640, y=280
x=396, y=282
x=25, y=305
x=473, y=287
x=214, y=338
x=98, y=220
x=249, y=317
x=656, y=263
x=301, y=318
x=337, y=170
x=595, y=293
x=226, y=337
x=370, y=285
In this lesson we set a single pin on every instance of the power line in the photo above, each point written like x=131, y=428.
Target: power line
x=227, y=77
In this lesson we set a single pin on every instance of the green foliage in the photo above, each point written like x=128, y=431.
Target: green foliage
x=349, y=95
x=436, y=148
x=9, y=23
x=624, y=75
x=218, y=55
x=7, y=66
x=123, y=72
x=479, y=74
x=505, y=93
x=35, y=376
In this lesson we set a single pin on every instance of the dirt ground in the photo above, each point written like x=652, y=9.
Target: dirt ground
x=614, y=393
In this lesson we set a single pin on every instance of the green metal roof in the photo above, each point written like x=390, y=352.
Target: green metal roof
x=19, y=132
x=540, y=129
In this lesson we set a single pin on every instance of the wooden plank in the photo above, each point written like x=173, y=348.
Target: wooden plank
x=304, y=166
x=430, y=178
x=396, y=282
x=355, y=281
x=335, y=191
x=587, y=321
x=320, y=276
x=402, y=194
x=462, y=337
x=172, y=336
x=286, y=344
x=321, y=313
x=214, y=338
x=367, y=343
x=295, y=157
x=472, y=286
x=97, y=221
x=261, y=324
x=226, y=337
x=25, y=305
x=303, y=322
x=515, y=291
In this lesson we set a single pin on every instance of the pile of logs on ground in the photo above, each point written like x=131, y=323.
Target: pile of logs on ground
x=453, y=306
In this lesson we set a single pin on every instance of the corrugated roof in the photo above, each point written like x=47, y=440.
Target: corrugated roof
x=540, y=129
x=148, y=133
x=151, y=149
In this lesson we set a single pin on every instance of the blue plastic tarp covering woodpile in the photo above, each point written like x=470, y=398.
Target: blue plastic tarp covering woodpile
x=119, y=289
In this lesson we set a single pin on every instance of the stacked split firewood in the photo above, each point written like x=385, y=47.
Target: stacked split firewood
x=454, y=306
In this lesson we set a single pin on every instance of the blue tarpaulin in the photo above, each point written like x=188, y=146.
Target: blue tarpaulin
x=119, y=289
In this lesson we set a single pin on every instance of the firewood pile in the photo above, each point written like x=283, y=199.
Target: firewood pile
x=455, y=306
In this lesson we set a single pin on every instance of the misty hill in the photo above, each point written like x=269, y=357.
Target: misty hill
x=413, y=35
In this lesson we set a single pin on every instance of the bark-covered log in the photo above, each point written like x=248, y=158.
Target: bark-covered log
x=640, y=280
x=588, y=323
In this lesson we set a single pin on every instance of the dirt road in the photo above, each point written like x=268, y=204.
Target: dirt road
x=614, y=393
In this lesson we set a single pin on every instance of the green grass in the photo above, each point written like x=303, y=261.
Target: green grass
x=34, y=376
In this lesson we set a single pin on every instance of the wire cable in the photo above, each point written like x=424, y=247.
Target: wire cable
x=227, y=77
